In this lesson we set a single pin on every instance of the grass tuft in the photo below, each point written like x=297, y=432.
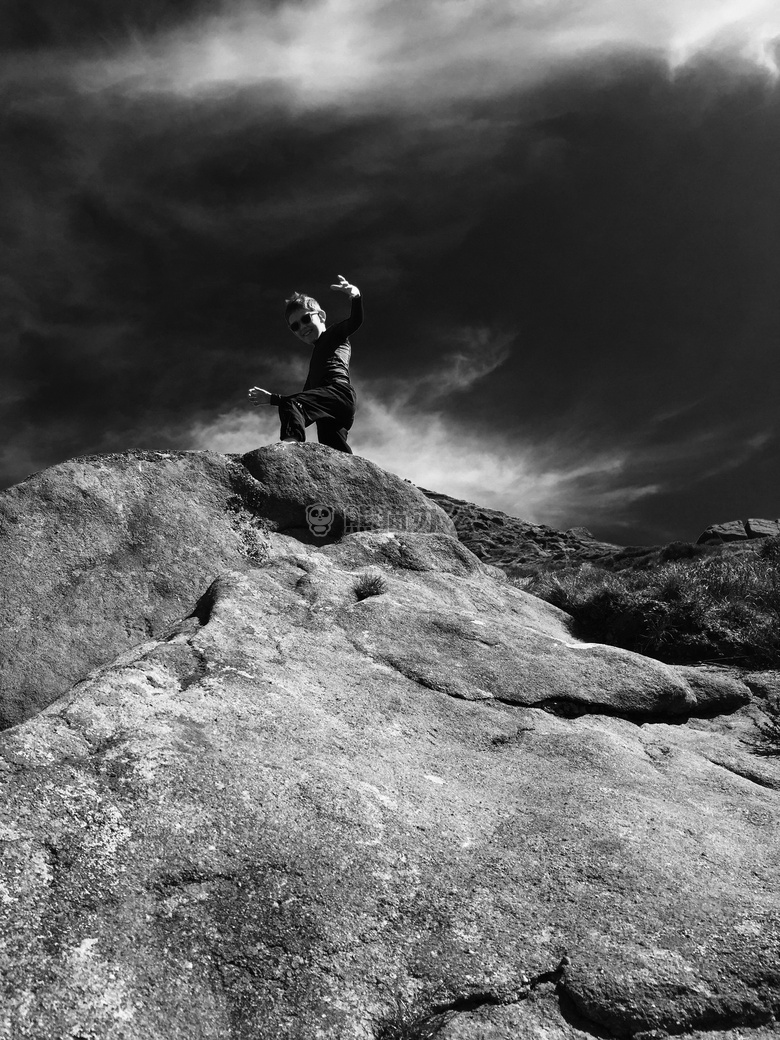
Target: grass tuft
x=370, y=584
x=411, y=1019
x=767, y=745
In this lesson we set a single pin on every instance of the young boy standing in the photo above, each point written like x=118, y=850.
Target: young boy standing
x=328, y=397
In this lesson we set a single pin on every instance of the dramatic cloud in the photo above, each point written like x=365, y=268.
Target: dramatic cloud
x=367, y=53
x=565, y=217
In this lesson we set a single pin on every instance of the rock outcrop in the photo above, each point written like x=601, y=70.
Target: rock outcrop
x=347, y=494
x=520, y=548
x=511, y=543
x=364, y=788
x=738, y=530
x=99, y=553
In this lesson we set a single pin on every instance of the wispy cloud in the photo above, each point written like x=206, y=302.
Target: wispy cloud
x=478, y=353
x=369, y=52
x=464, y=356
x=549, y=484
x=544, y=483
x=237, y=430
x=561, y=482
x=740, y=450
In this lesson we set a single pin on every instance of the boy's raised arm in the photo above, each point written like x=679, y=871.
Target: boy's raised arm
x=355, y=319
x=346, y=287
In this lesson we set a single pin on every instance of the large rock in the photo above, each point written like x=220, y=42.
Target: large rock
x=736, y=530
x=739, y=530
x=514, y=544
x=731, y=531
x=343, y=797
x=317, y=494
x=511, y=647
x=101, y=552
x=762, y=528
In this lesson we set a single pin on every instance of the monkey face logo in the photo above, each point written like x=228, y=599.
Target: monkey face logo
x=320, y=519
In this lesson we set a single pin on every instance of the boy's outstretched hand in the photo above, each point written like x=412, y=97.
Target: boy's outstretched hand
x=256, y=397
x=344, y=286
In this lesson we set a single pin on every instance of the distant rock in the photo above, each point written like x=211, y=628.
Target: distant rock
x=511, y=543
x=521, y=548
x=762, y=528
x=737, y=530
x=732, y=531
x=582, y=533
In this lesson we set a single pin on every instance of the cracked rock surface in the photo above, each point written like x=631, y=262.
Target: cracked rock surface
x=101, y=552
x=291, y=812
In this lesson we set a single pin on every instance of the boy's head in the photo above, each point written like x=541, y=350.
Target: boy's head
x=305, y=318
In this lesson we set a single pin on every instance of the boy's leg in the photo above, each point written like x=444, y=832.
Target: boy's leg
x=331, y=407
x=335, y=436
x=292, y=419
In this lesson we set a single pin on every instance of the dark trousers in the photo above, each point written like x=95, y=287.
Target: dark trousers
x=331, y=407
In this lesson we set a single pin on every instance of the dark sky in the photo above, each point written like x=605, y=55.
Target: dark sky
x=564, y=218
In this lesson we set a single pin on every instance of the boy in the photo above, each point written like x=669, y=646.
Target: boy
x=328, y=397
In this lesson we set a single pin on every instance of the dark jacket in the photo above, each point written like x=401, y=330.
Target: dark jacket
x=332, y=351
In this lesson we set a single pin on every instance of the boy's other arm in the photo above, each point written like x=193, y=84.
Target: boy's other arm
x=255, y=396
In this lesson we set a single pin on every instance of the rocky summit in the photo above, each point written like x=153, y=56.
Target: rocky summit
x=101, y=552
x=283, y=758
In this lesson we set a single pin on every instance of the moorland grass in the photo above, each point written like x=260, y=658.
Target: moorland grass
x=710, y=607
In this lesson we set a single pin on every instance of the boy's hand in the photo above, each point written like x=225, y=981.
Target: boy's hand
x=344, y=286
x=256, y=397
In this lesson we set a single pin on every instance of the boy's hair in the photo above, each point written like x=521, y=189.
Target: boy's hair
x=299, y=301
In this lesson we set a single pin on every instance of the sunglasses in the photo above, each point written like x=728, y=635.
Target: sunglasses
x=305, y=320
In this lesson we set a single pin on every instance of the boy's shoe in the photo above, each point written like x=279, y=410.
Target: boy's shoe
x=289, y=440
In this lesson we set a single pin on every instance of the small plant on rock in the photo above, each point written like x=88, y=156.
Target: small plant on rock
x=370, y=584
x=252, y=531
x=412, y=1019
x=767, y=745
